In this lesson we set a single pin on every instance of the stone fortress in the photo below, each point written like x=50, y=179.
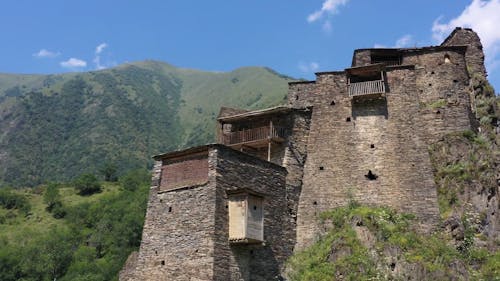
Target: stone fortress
x=236, y=210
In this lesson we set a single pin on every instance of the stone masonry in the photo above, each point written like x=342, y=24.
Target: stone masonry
x=357, y=134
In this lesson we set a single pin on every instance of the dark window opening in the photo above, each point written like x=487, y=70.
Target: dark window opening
x=371, y=176
x=387, y=59
x=161, y=200
x=430, y=84
x=251, y=252
x=315, y=203
x=227, y=206
x=432, y=72
x=296, y=97
x=321, y=168
x=393, y=266
x=170, y=209
x=332, y=103
x=162, y=262
x=348, y=119
x=438, y=112
x=255, y=207
x=156, y=252
x=372, y=145
x=364, y=78
x=455, y=81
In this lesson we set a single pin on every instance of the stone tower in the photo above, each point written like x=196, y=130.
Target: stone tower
x=238, y=209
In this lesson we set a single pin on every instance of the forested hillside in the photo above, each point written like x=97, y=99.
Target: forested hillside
x=55, y=127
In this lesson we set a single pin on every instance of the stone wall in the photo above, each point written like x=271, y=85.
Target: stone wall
x=177, y=240
x=349, y=138
x=185, y=234
x=237, y=170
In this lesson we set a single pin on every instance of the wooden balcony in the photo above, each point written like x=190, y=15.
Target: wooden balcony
x=254, y=137
x=366, y=88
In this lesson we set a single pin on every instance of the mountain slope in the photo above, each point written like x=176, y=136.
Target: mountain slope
x=57, y=126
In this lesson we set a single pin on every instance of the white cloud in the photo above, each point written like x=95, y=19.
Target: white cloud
x=483, y=17
x=73, y=63
x=44, y=53
x=308, y=67
x=404, y=41
x=100, y=48
x=328, y=7
x=97, y=58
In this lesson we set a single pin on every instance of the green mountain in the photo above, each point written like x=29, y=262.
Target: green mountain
x=57, y=126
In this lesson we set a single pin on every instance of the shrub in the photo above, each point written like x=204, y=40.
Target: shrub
x=134, y=179
x=11, y=200
x=87, y=184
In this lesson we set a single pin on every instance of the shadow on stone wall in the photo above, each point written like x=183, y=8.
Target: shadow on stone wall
x=369, y=107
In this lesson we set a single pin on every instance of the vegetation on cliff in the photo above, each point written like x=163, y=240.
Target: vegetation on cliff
x=364, y=243
x=52, y=233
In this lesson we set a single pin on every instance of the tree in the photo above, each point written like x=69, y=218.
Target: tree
x=109, y=171
x=135, y=178
x=52, y=198
x=87, y=184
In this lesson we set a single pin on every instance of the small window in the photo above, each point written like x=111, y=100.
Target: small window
x=447, y=58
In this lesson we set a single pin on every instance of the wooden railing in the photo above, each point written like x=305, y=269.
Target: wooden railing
x=254, y=134
x=366, y=88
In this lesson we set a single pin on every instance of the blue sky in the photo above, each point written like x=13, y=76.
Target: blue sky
x=295, y=37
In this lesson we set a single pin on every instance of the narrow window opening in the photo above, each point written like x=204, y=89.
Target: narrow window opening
x=296, y=97
x=348, y=119
x=372, y=145
x=254, y=207
x=438, y=112
x=371, y=176
x=315, y=203
x=393, y=266
x=170, y=209
x=227, y=206
x=162, y=262
x=432, y=72
x=332, y=103
x=455, y=81
x=156, y=252
x=161, y=200
x=430, y=84
x=251, y=252
x=447, y=58
x=321, y=168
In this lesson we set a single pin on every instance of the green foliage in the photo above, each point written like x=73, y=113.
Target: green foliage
x=134, y=179
x=462, y=162
x=340, y=254
x=109, y=171
x=87, y=184
x=11, y=200
x=91, y=242
x=67, y=124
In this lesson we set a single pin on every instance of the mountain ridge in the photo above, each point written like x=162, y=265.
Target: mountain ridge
x=74, y=122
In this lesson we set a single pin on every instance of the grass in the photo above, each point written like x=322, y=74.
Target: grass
x=341, y=255
x=38, y=220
